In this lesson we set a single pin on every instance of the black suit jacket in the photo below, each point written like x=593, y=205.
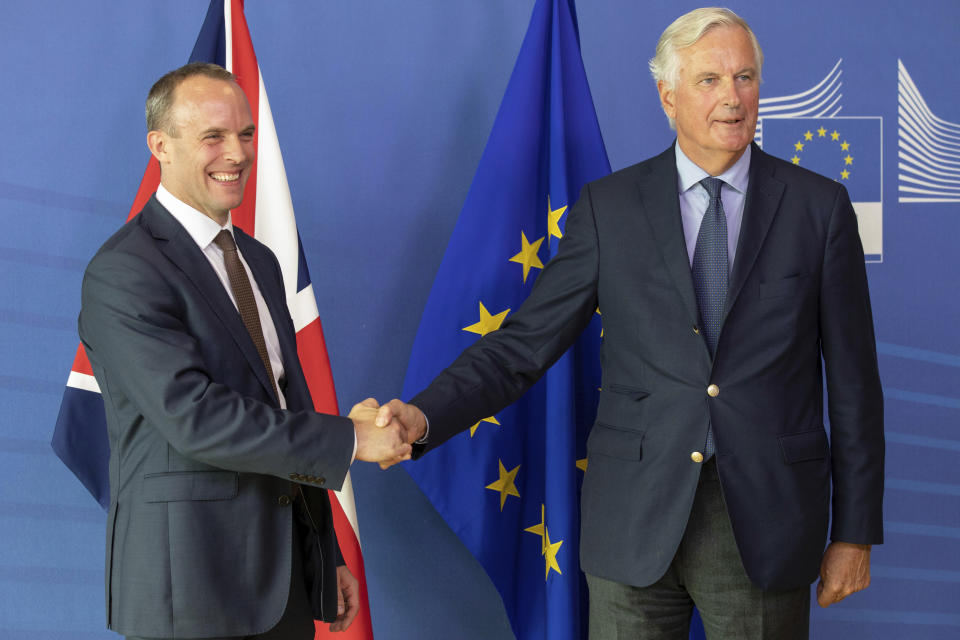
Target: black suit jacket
x=199, y=532
x=797, y=307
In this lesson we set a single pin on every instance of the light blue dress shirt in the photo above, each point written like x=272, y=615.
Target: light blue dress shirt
x=694, y=199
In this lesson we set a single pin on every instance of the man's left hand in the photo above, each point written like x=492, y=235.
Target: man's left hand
x=845, y=569
x=348, y=599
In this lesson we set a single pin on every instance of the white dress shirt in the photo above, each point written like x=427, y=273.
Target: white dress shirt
x=203, y=230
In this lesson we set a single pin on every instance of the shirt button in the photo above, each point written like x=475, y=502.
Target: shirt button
x=697, y=457
x=283, y=500
x=713, y=391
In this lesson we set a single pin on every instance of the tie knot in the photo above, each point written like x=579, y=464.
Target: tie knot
x=225, y=241
x=712, y=185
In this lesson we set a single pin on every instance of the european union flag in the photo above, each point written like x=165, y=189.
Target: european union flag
x=510, y=485
x=847, y=149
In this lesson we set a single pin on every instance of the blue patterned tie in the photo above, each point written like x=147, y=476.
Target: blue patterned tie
x=711, y=271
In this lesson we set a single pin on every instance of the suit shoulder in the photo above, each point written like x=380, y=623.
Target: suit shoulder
x=129, y=238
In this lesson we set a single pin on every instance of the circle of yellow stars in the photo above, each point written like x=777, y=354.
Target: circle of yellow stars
x=808, y=137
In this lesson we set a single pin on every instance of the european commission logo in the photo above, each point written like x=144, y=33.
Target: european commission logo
x=928, y=157
x=806, y=130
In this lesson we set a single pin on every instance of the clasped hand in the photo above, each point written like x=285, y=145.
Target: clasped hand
x=385, y=434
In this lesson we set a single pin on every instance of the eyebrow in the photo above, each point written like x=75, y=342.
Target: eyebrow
x=250, y=129
x=714, y=74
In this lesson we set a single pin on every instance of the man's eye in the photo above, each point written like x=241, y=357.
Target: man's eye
x=708, y=81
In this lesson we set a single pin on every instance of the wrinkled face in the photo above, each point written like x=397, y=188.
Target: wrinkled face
x=207, y=163
x=716, y=98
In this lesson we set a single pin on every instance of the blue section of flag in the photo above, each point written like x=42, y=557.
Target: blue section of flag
x=832, y=146
x=545, y=144
x=80, y=440
x=80, y=436
x=211, y=45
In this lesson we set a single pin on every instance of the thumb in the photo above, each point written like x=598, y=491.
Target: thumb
x=385, y=415
x=370, y=402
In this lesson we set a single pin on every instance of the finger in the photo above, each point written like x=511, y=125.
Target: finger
x=352, y=605
x=371, y=402
x=827, y=595
x=385, y=415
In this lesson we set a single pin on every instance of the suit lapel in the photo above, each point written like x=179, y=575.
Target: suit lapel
x=763, y=200
x=183, y=252
x=660, y=204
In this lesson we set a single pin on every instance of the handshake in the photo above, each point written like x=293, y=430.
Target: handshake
x=386, y=434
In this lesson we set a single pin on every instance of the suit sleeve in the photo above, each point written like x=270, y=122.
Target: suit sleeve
x=153, y=375
x=855, y=398
x=497, y=369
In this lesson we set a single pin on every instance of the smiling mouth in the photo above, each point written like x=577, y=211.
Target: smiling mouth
x=225, y=177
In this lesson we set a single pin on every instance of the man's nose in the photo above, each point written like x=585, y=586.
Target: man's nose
x=730, y=95
x=235, y=150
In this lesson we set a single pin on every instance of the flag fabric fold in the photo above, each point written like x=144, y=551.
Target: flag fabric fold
x=80, y=435
x=509, y=486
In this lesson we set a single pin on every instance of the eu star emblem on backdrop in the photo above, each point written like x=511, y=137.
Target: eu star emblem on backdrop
x=80, y=436
x=509, y=486
x=847, y=149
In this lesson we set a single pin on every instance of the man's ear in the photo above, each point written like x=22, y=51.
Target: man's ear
x=666, y=99
x=157, y=143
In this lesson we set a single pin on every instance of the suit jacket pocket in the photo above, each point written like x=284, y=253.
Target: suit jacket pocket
x=615, y=443
x=620, y=407
x=806, y=445
x=190, y=485
x=784, y=286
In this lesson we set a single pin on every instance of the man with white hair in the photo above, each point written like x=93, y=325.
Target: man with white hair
x=732, y=284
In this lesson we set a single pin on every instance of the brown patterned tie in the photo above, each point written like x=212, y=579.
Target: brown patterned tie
x=243, y=294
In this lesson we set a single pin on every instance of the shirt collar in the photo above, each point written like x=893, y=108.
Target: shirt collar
x=689, y=174
x=201, y=227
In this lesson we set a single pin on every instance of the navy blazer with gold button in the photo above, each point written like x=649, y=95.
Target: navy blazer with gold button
x=797, y=313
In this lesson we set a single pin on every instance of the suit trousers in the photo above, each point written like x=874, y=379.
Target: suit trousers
x=706, y=572
x=296, y=623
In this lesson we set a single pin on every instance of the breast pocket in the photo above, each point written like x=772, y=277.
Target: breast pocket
x=784, y=286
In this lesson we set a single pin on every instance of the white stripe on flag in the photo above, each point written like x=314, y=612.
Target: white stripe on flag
x=276, y=225
x=83, y=381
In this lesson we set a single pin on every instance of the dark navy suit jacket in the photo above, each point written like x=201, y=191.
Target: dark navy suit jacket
x=797, y=308
x=199, y=532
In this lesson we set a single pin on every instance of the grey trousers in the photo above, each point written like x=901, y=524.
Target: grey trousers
x=706, y=572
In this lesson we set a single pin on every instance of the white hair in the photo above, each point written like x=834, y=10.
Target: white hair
x=686, y=31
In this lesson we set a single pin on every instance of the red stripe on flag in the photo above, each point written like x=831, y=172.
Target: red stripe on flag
x=362, y=627
x=312, y=351
x=81, y=364
x=248, y=77
x=151, y=179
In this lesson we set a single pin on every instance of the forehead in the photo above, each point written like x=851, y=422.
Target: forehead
x=724, y=47
x=200, y=96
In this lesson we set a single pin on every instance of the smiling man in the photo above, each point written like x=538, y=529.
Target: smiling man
x=209, y=417
x=732, y=284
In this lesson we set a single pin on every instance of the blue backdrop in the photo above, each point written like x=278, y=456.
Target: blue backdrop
x=383, y=110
